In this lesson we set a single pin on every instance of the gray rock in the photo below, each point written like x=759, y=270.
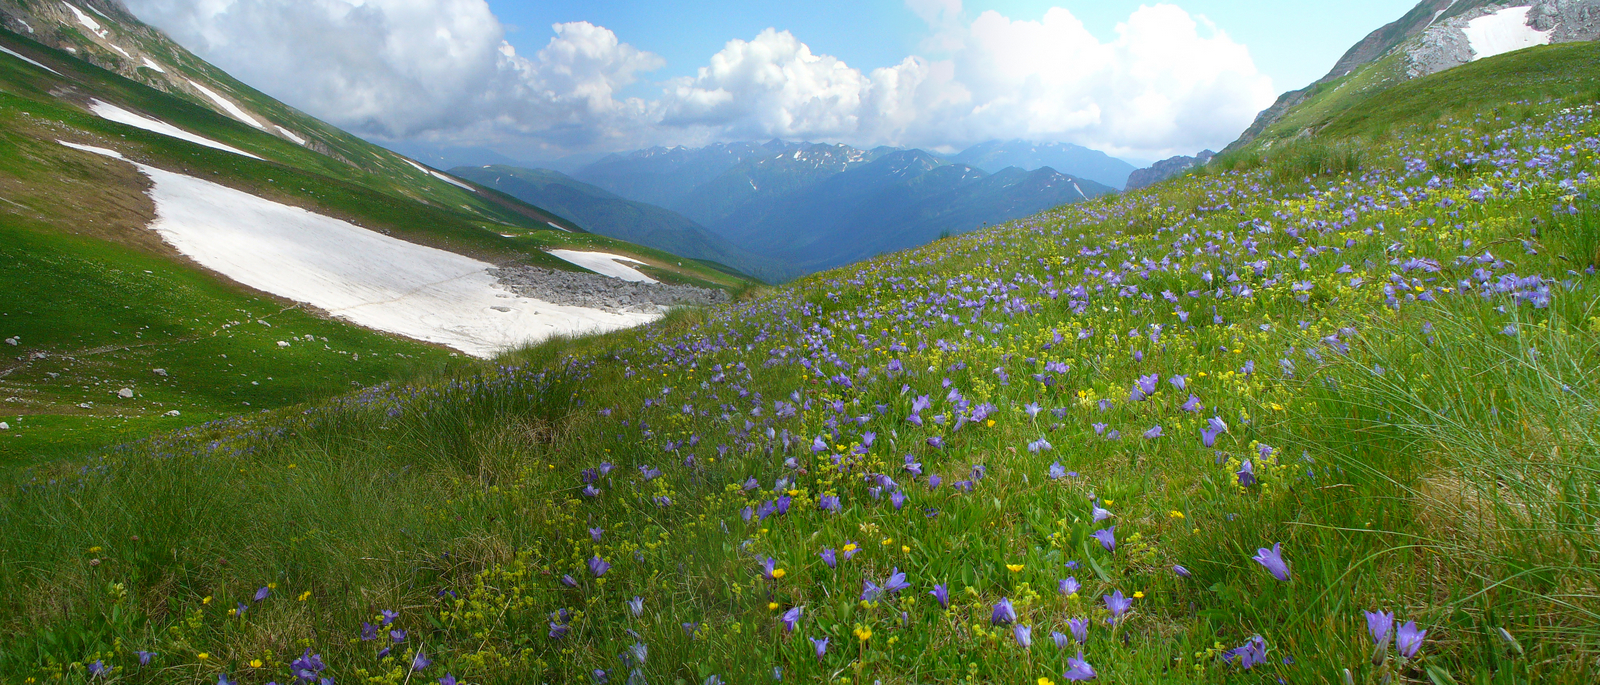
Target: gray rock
x=1167, y=168
x=600, y=292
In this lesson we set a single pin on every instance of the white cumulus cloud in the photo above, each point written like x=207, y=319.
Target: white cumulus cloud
x=1167, y=82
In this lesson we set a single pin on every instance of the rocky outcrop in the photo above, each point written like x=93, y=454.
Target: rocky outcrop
x=1445, y=45
x=576, y=289
x=1434, y=39
x=1166, y=168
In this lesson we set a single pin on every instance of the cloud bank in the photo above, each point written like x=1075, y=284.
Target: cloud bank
x=1168, y=82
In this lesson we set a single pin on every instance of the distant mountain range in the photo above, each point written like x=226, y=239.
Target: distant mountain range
x=614, y=216
x=779, y=209
x=1066, y=158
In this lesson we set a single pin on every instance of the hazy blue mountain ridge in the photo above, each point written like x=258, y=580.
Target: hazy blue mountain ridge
x=601, y=211
x=1074, y=160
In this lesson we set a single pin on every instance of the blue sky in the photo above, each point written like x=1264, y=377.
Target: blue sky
x=541, y=80
x=1293, y=41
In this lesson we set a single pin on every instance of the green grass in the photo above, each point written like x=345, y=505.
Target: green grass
x=1416, y=449
x=1374, y=101
x=102, y=318
x=106, y=303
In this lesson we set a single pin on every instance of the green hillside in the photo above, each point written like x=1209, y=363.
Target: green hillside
x=1190, y=434
x=97, y=302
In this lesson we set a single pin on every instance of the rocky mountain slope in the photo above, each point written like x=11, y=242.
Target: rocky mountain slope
x=1165, y=169
x=1434, y=36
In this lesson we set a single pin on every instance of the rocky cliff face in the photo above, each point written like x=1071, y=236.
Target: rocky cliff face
x=1480, y=32
x=1165, y=169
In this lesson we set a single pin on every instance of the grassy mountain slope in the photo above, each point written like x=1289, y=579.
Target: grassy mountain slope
x=608, y=214
x=97, y=301
x=1112, y=419
x=1368, y=66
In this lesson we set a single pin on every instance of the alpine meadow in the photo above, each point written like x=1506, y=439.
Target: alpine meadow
x=1322, y=408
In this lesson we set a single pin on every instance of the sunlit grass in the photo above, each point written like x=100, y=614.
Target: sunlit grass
x=1396, y=334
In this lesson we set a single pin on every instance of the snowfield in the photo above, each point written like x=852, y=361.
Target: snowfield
x=108, y=111
x=442, y=177
x=291, y=136
x=87, y=21
x=605, y=264
x=355, y=274
x=1504, y=31
x=152, y=65
x=29, y=61
x=228, y=105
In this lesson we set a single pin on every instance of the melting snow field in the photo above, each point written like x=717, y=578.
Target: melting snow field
x=291, y=136
x=87, y=21
x=605, y=264
x=29, y=61
x=1504, y=31
x=355, y=274
x=228, y=105
x=440, y=176
x=106, y=110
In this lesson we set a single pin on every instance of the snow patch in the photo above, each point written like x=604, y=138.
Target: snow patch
x=153, y=65
x=605, y=264
x=452, y=181
x=87, y=21
x=6, y=50
x=228, y=105
x=440, y=176
x=1504, y=31
x=108, y=111
x=90, y=148
x=118, y=48
x=291, y=136
x=358, y=275
x=1439, y=13
x=557, y=226
x=25, y=25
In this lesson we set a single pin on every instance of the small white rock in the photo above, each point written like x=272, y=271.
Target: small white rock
x=4, y=426
x=160, y=372
x=13, y=341
x=171, y=413
x=86, y=405
x=282, y=344
x=125, y=393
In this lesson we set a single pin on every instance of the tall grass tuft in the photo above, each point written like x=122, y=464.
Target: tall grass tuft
x=1501, y=503
x=1311, y=158
x=1576, y=234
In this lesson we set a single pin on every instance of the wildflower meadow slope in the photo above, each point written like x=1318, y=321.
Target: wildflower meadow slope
x=1318, y=413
